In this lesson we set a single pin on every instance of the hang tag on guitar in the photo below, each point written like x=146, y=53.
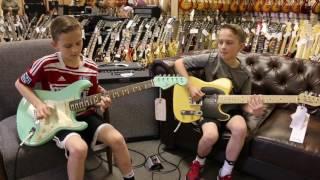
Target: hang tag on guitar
x=160, y=109
x=299, y=117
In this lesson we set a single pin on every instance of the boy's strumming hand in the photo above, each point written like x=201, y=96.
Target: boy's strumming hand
x=104, y=103
x=43, y=111
x=195, y=93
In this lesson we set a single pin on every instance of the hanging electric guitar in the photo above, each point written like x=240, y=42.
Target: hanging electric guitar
x=187, y=111
x=234, y=6
x=243, y=6
x=316, y=7
x=214, y=5
x=67, y=102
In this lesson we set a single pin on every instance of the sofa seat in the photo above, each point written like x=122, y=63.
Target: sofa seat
x=272, y=145
x=28, y=157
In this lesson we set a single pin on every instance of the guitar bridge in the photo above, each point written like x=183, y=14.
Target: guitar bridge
x=195, y=103
x=191, y=113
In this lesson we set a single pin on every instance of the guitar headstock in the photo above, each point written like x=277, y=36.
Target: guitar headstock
x=309, y=99
x=164, y=81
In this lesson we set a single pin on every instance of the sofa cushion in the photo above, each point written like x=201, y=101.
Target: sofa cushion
x=272, y=145
x=31, y=160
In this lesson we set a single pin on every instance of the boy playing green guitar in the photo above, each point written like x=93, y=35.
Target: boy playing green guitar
x=59, y=70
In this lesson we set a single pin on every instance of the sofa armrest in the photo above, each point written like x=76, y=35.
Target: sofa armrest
x=3, y=174
x=159, y=67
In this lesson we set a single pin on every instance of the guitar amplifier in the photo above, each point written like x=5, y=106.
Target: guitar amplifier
x=133, y=115
x=147, y=11
x=34, y=8
x=122, y=71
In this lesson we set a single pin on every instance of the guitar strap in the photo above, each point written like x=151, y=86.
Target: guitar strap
x=213, y=63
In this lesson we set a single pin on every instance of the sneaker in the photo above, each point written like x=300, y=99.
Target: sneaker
x=194, y=171
x=226, y=177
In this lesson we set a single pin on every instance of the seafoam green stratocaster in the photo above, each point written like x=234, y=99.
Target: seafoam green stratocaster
x=67, y=102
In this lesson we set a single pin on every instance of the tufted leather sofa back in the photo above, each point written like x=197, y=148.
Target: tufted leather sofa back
x=281, y=76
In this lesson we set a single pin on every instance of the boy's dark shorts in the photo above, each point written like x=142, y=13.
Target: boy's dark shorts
x=221, y=125
x=94, y=121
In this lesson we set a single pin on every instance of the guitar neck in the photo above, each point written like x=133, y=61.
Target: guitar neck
x=268, y=99
x=81, y=104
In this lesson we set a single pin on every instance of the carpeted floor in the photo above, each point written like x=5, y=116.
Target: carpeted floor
x=175, y=165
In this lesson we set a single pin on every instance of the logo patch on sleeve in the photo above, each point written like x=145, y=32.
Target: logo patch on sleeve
x=26, y=79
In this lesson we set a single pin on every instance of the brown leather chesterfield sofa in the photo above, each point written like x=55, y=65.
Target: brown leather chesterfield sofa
x=268, y=153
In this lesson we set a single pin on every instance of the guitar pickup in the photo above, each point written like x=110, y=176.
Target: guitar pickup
x=190, y=113
x=193, y=102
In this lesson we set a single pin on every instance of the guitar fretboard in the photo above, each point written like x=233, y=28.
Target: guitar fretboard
x=81, y=104
x=243, y=99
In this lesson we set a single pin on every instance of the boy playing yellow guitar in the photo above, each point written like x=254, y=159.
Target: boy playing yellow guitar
x=224, y=64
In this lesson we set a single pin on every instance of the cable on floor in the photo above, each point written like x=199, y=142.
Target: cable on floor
x=176, y=166
x=141, y=154
x=132, y=150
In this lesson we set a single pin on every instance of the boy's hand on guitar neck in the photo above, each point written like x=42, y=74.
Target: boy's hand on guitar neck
x=104, y=103
x=255, y=105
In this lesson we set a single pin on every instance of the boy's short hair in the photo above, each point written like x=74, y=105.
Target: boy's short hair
x=237, y=30
x=63, y=24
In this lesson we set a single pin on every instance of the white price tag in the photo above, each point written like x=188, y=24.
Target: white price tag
x=160, y=109
x=205, y=32
x=83, y=34
x=117, y=37
x=194, y=31
x=43, y=29
x=213, y=36
x=298, y=117
x=129, y=24
x=99, y=40
x=298, y=134
x=2, y=29
x=192, y=15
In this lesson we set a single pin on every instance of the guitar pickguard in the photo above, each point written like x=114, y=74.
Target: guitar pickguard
x=187, y=112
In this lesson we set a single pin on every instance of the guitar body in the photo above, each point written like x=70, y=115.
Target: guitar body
x=275, y=6
x=266, y=7
x=285, y=8
x=296, y=7
x=185, y=5
x=250, y=6
x=258, y=6
x=225, y=6
x=243, y=6
x=214, y=5
x=181, y=99
x=201, y=5
x=316, y=7
x=234, y=6
x=61, y=115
